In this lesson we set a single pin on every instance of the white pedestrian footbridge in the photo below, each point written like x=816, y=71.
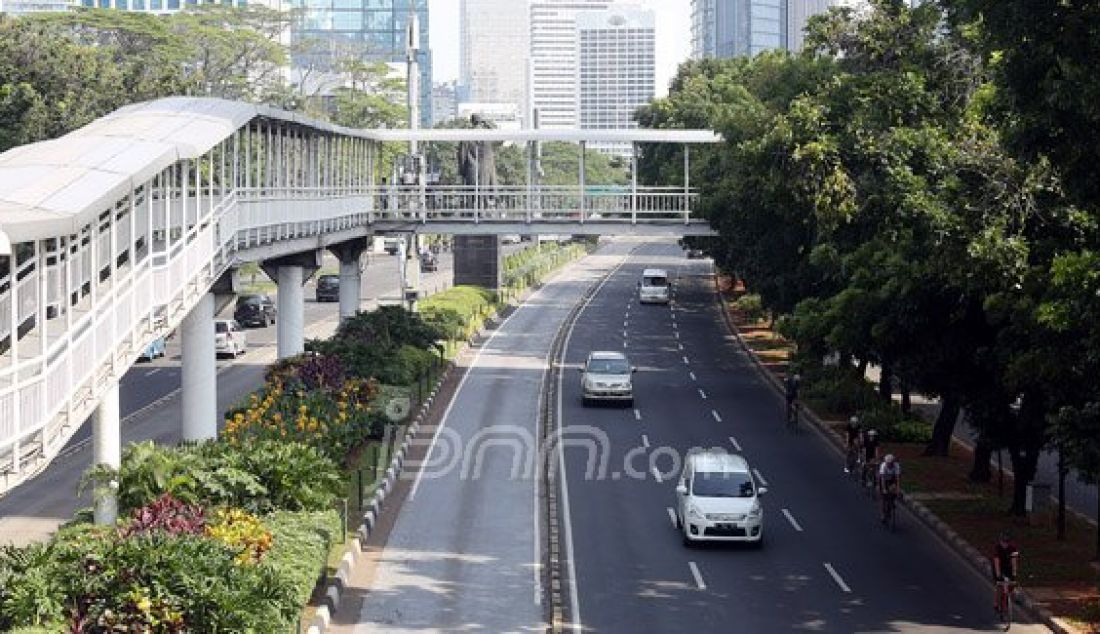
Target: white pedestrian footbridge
x=132, y=226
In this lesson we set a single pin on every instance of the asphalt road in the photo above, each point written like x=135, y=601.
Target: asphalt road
x=464, y=552
x=826, y=564
x=151, y=407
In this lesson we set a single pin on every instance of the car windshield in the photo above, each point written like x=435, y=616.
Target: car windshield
x=722, y=484
x=328, y=280
x=608, y=366
x=654, y=281
x=251, y=300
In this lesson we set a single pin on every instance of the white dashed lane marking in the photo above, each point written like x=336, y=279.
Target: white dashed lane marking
x=714, y=413
x=790, y=518
x=736, y=445
x=657, y=475
x=759, y=478
x=645, y=441
x=692, y=375
x=702, y=394
x=671, y=516
x=836, y=577
x=698, y=577
x=637, y=414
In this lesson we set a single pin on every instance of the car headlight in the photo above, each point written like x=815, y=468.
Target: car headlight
x=694, y=513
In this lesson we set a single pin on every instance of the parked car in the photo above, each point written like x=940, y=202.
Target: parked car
x=229, y=338
x=606, y=376
x=695, y=254
x=511, y=238
x=429, y=262
x=328, y=288
x=718, y=500
x=255, y=310
x=156, y=348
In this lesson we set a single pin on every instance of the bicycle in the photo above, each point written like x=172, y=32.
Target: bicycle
x=869, y=478
x=851, y=462
x=890, y=509
x=793, y=413
x=1006, y=590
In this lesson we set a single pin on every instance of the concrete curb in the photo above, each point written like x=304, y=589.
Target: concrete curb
x=962, y=548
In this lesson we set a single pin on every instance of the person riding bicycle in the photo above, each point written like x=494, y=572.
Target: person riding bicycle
x=889, y=482
x=869, y=448
x=1006, y=564
x=854, y=436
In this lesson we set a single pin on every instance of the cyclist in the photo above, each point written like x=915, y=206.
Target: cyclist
x=1006, y=565
x=854, y=435
x=869, y=445
x=889, y=482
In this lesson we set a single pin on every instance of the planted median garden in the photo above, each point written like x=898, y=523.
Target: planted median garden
x=234, y=534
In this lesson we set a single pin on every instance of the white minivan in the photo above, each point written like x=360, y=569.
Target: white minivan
x=717, y=500
x=654, y=287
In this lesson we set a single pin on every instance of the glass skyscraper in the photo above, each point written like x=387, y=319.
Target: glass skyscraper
x=377, y=26
x=732, y=28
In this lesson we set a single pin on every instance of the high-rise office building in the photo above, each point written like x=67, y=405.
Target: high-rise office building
x=444, y=103
x=732, y=28
x=799, y=13
x=494, y=38
x=616, y=53
x=376, y=27
x=553, y=62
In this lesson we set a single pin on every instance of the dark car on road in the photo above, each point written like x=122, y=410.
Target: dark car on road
x=254, y=310
x=328, y=288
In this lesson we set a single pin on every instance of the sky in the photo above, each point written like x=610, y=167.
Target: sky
x=673, y=37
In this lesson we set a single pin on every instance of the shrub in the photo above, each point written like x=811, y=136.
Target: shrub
x=168, y=515
x=257, y=475
x=333, y=421
x=301, y=542
x=242, y=532
x=750, y=306
x=840, y=391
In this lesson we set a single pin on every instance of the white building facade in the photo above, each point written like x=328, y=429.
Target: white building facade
x=616, y=72
x=494, y=44
x=553, y=60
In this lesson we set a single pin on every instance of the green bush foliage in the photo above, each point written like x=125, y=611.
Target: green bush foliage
x=260, y=477
x=301, y=542
x=750, y=306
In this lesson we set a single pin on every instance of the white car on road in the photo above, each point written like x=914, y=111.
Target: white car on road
x=606, y=376
x=717, y=500
x=654, y=287
x=229, y=338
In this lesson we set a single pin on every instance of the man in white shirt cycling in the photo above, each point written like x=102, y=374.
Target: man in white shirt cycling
x=889, y=482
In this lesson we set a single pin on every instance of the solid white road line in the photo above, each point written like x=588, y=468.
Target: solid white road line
x=790, y=518
x=714, y=413
x=637, y=414
x=671, y=515
x=698, y=577
x=736, y=445
x=692, y=375
x=645, y=441
x=657, y=475
x=702, y=394
x=759, y=477
x=836, y=577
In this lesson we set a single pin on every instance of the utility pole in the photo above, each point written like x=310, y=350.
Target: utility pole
x=410, y=269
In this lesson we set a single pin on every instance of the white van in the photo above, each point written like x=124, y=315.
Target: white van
x=718, y=500
x=654, y=287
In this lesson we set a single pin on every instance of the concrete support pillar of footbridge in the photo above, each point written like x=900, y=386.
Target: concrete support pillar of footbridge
x=107, y=451
x=477, y=261
x=199, y=368
x=290, y=273
x=350, y=255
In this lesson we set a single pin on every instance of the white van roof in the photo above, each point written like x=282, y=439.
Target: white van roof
x=718, y=462
x=654, y=273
